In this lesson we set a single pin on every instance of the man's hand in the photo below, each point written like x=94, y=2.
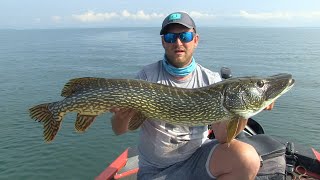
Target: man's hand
x=120, y=119
x=270, y=107
x=122, y=114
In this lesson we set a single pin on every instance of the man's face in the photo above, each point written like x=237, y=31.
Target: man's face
x=179, y=54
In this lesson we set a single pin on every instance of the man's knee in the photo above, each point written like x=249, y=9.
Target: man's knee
x=249, y=159
x=238, y=159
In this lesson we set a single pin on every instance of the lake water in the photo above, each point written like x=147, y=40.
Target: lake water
x=35, y=65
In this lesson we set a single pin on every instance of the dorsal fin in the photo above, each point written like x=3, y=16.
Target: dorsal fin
x=78, y=84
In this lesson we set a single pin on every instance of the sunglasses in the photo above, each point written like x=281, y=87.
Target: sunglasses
x=184, y=37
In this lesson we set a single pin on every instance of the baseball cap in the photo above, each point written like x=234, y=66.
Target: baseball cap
x=178, y=18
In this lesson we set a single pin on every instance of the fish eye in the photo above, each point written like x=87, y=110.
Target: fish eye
x=260, y=84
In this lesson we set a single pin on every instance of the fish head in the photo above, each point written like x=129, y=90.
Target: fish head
x=247, y=96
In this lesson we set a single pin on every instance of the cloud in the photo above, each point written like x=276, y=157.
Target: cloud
x=91, y=16
x=56, y=18
x=279, y=15
x=37, y=20
x=199, y=15
x=141, y=17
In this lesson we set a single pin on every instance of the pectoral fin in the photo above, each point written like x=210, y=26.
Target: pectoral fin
x=136, y=121
x=234, y=127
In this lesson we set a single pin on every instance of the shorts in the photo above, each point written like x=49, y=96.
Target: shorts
x=196, y=167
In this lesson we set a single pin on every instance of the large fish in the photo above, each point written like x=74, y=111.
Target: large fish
x=230, y=100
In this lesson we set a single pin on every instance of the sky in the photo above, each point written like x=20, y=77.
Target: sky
x=42, y=14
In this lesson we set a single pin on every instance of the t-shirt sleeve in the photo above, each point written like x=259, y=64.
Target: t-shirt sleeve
x=214, y=77
x=150, y=72
x=209, y=76
x=141, y=75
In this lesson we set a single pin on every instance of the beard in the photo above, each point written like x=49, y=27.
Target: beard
x=179, y=60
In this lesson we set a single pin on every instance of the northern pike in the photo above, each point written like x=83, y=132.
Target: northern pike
x=230, y=100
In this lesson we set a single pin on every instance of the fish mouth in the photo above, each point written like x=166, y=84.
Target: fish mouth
x=279, y=84
x=291, y=82
x=283, y=76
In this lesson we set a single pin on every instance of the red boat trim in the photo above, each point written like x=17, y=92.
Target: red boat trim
x=316, y=153
x=127, y=173
x=114, y=167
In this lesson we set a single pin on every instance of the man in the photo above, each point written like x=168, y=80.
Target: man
x=168, y=151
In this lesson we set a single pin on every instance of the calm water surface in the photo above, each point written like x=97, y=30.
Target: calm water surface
x=35, y=64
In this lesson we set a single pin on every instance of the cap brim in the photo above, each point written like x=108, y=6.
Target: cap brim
x=164, y=28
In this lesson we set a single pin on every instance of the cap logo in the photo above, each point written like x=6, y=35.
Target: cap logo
x=174, y=16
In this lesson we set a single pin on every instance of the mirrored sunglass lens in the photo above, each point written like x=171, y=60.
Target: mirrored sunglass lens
x=186, y=36
x=170, y=38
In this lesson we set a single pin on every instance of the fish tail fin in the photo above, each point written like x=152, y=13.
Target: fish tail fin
x=42, y=113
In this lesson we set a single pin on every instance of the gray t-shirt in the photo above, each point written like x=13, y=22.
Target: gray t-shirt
x=162, y=144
